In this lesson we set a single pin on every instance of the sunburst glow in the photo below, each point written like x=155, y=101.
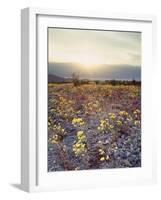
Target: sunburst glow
x=94, y=47
x=88, y=60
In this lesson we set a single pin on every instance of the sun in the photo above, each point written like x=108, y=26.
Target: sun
x=88, y=60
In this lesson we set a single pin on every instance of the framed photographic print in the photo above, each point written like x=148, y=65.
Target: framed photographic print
x=86, y=99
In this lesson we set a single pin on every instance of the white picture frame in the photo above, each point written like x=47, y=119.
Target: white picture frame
x=34, y=22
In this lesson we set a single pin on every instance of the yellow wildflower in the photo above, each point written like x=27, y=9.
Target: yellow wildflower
x=102, y=158
x=111, y=126
x=137, y=122
x=78, y=121
x=101, y=151
x=102, y=121
x=80, y=135
x=112, y=116
x=81, y=123
x=55, y=139
x=107, y=157
x=137, y=111
x=79, y=148
x=103, y=124
x=123, y=113
x=129, y=118
x=119, y=122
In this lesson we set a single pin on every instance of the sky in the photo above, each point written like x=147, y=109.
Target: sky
x=93, y=47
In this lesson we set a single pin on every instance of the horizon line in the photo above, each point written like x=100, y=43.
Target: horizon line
x=78, y=63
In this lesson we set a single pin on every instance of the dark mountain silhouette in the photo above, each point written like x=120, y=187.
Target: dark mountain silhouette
x=52, y=78
x=99, y=72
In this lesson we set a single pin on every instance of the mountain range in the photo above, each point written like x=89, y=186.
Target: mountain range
x=60, y=72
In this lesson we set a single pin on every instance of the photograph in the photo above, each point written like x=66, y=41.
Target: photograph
x=94, y=99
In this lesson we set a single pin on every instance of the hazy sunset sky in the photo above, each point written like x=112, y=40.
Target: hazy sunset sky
x=89, y=47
